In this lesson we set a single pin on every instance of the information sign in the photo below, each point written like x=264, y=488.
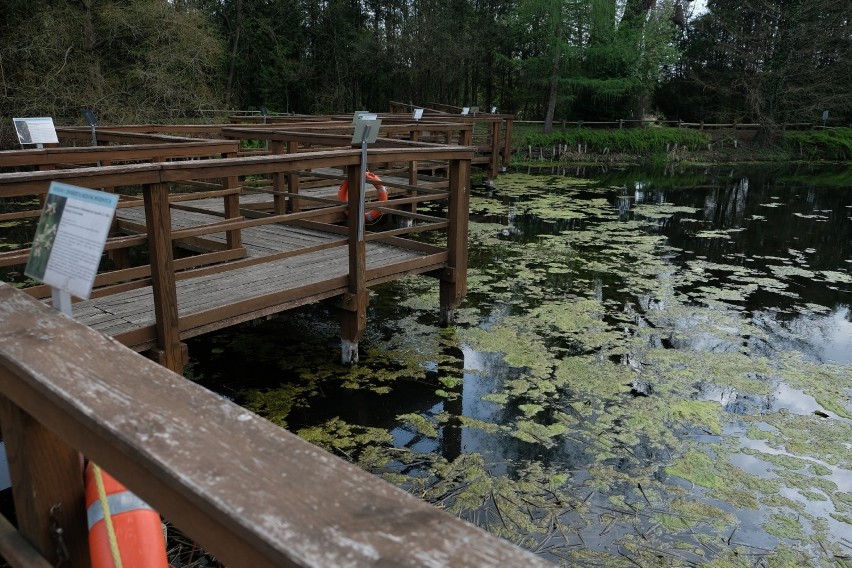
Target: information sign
x=418, y=113
x=366, y=131
x=38, y=130
x=89, y=117
x=70, y=238
x=363, y=115
x=465, y=110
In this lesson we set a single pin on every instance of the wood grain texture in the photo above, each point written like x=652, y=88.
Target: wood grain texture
x=249, y=492
x=55, y=492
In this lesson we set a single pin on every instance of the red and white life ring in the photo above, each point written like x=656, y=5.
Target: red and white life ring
x=372, y=215
x=136, y=532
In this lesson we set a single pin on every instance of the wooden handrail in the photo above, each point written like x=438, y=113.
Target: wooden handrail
x=93, y=154
x=249, y=492
x=155, y=178
x=28, y=183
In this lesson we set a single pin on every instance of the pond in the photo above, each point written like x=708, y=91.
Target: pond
x=648, y=369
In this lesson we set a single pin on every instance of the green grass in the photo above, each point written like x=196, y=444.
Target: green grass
x=834, y=144
x=629, y=140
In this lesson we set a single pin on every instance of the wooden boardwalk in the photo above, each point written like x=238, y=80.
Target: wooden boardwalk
x=268, y=287
x=66, y=390
x=264, y=234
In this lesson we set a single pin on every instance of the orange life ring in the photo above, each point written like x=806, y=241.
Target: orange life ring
x=372, y=215
x=138, y=530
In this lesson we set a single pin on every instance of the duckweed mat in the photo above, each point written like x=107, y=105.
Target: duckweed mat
x=642, y=373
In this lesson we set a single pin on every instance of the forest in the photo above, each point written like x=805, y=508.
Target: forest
x=760, y=61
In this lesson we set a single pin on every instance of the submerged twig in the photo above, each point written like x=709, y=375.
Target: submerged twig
x=642, y=491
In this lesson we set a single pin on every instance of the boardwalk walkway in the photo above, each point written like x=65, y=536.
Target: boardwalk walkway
x=264, y=234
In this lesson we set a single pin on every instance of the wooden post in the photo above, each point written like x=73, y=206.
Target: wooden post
x=507, y=142
x=47, y=487
x=120, y=257
x=454, y=276
x=495, y=145
x=414, y=136
x=279, y=202
x=234, y=237
x=170, y=352
x=412, y=171
x=466, y=135
x=293, y=180
x=353, y=312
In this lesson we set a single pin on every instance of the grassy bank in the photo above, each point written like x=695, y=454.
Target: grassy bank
x=664, y=145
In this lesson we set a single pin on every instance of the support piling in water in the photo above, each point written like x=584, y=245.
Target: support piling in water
x=348, y=352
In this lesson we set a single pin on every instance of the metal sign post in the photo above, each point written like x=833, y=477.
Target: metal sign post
x=366, y=131
x=61, y=301
x=91, y=119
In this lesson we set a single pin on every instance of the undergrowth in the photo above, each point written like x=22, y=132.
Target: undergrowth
x=631, y=141
x=834, y=144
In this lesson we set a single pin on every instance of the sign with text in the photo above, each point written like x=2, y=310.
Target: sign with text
x=38, y=130
x=70, y=238
x=418, y=113
x=363, y=115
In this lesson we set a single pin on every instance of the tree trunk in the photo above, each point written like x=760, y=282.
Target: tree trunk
x=235, y=46
x=552, y=96
x=553, y=91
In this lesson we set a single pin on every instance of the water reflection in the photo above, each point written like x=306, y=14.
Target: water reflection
x=690, y=285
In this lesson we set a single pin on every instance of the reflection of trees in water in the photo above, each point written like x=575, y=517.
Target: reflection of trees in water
x=820, y=337
x=734, y=401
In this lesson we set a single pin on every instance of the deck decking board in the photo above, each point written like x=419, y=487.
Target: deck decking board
x=262, y=287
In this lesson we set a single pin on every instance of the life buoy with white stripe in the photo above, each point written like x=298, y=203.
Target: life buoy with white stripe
x=138, y=532
x=372, y=215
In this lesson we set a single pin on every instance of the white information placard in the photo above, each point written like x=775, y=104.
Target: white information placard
x=38, y=130
x=363, y=115
x=70, y=238
x=418, y=113
x=465, y=110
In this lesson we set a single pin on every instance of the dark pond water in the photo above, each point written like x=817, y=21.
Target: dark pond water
x=649, y=369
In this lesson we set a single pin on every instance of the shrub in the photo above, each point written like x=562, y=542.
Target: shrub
x=630, y=141
x=834, y=144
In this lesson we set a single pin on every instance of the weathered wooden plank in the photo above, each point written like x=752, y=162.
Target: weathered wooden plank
x=55, y=495
x=166, y=439
x=16, y=550
x=135, y=152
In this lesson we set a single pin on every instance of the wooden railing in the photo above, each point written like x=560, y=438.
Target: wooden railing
x=494, y=145
x=247, y=491
x=163, y=270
